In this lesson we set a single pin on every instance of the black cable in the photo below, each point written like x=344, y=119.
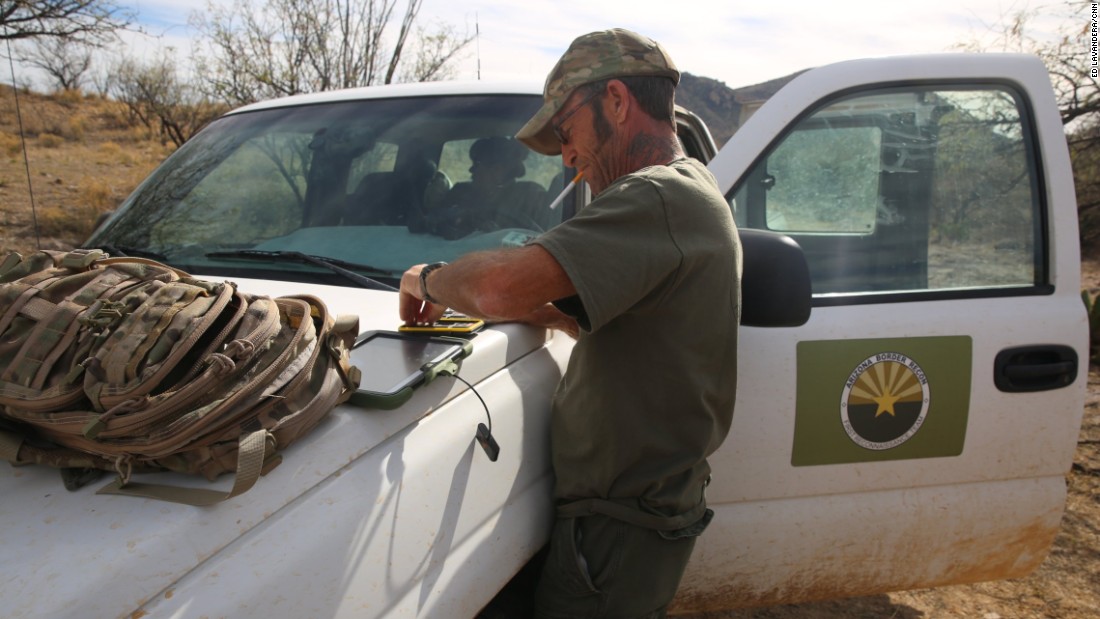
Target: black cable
x=483, y=404
x=484, y=435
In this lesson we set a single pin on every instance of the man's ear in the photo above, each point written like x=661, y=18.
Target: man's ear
x=619, y=100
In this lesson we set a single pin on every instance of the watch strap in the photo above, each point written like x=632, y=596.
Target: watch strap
x=424, y=280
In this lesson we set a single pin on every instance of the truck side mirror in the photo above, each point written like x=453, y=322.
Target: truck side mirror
x=775, y=280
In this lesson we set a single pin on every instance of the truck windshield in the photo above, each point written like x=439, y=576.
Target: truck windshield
x=382, y=182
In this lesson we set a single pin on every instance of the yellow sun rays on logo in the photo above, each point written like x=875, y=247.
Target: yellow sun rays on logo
x=886, y=384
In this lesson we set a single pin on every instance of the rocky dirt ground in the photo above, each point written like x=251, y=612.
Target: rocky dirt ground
x=84, y=159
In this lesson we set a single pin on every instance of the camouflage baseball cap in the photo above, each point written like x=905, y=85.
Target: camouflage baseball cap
x=590, y=58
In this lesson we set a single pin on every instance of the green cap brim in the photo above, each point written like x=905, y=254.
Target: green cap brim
x=537, y=134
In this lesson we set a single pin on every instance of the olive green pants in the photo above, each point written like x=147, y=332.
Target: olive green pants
x=600, y=567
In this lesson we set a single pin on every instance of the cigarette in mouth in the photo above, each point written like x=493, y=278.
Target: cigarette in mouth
x=564, y=192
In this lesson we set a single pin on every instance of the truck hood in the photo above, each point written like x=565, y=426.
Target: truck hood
x=79, y=554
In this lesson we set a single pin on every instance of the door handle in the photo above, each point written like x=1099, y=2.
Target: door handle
x=1035, y=368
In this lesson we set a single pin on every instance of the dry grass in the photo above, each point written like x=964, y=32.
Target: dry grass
x=10, y=145
x=50, y=140
x=85, y=157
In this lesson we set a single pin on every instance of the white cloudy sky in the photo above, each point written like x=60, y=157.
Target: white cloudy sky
x=735, y=41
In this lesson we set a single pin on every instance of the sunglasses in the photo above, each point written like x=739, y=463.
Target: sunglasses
x=563, y=137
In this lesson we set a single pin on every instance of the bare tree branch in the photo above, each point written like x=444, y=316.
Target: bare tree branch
x=92, y=21
x=155, y=95
x=1068, y=61
x=282, y=47
x=434, y=55
x=406, y=25
x=66, y=61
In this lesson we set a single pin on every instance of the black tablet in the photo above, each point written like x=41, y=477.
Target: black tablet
x=394, y=364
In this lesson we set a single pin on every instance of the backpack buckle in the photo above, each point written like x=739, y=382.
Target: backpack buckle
x=102, y=314
x=81, y=259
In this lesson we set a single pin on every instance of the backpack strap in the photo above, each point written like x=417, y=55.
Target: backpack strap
x=15, y=449
x=135, y=260
x=9, y=447
x=254, y=458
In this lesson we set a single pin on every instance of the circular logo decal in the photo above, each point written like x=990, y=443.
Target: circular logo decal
x=885, y=401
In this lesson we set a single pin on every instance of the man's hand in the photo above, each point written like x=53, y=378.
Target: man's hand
x=500, y=285
x=413, y=308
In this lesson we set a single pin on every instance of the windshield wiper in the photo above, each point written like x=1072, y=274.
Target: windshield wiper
x=340, y=267
x=125, y=251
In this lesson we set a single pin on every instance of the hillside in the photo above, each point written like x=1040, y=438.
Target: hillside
x=85, y=155
x=724, y=109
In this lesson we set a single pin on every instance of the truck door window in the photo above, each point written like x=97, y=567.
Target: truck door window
x=905, y=190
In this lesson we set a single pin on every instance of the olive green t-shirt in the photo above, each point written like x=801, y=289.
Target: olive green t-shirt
x=649, y=390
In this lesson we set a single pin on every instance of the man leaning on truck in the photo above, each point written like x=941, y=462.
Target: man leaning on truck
x=647, y=277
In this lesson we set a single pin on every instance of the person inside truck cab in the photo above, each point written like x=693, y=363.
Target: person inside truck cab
x=493, y=198
x=648, y=278
x=387, y=198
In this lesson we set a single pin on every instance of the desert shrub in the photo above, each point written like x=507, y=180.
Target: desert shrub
x=76, y=127
x=50, y=140
x=69, y=97
x=113, y=115
x=71, y=223
x=41, y=118
x=139, y=133
x=116, y=154
x=97, y=195
x=10, y=144
x=111, y=149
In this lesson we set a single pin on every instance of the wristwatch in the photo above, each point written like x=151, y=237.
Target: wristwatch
x=424, y=280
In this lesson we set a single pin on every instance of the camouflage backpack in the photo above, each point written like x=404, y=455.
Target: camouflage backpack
x=129, y=365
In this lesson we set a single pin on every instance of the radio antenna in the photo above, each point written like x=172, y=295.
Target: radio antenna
x=23, y=141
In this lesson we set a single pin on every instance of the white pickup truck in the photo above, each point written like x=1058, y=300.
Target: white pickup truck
x=912, y=374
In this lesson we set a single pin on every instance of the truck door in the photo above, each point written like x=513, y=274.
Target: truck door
x=917, y=429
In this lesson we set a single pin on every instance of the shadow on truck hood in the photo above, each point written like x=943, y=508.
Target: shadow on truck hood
x=78, y=554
